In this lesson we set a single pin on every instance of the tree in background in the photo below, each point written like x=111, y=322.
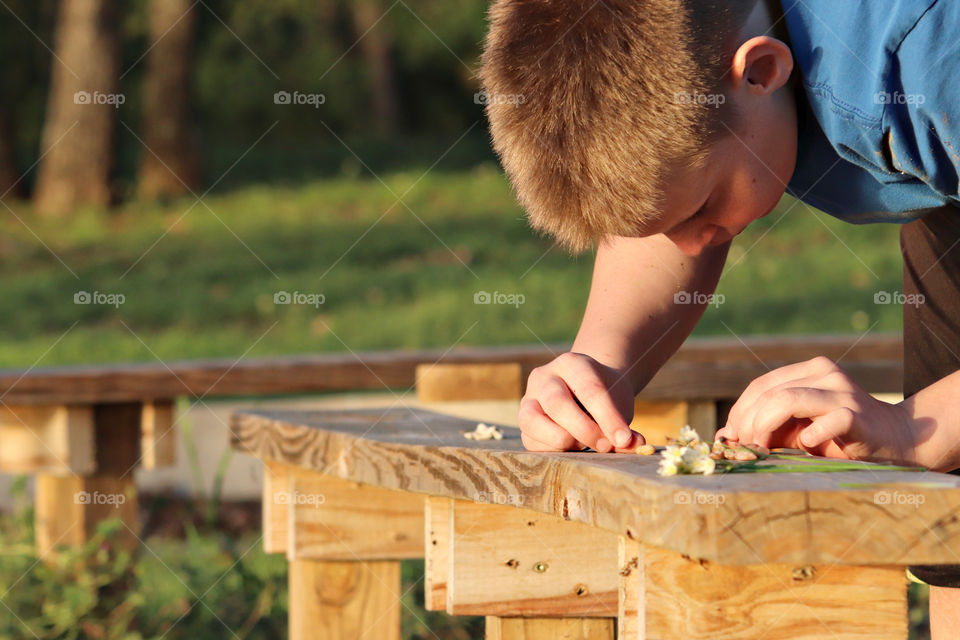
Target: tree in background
x=376, y=44
x=169, y=166
x=77, y=141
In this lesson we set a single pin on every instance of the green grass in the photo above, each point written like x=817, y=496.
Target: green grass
x=200, y=282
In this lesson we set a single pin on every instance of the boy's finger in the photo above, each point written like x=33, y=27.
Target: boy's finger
x=744, y=412
x=592, y=393
x=836, y=424
x=544, y=433
x=560, y=406
x=789, y=403
x=810, y=368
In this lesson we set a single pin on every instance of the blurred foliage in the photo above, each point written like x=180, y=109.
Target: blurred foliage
x=200, y=282
x=247, y=51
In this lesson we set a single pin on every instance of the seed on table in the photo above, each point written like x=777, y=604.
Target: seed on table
x=646, y=450
x=744, y=454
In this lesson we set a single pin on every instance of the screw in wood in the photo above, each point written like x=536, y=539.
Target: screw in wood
x=540, y=567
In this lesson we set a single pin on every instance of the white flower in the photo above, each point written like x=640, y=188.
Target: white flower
x=688, y=435
x=705, y=465
x=668, y=467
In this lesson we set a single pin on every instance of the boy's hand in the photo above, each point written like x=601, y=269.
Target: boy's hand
x=552, y=419
x=815, y=406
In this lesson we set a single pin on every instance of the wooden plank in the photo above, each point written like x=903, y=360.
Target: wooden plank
x=344, y=600
x=904, y=518
x=69, y=508
x=488, y=381
x=334, y=519
x=47, y=439
x=275, y=505
x=631, y=601
x=702, y=368
x=695, y=599
x=506, y=561
x=549, y=628
x=158, y=435
x=437, y=514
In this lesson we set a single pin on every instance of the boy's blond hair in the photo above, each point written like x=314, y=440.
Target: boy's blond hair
x=591, y=102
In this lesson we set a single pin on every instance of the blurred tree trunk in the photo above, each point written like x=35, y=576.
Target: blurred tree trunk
x=376, y=47
x=78, y=134
x=170, y=166
x=9, y=175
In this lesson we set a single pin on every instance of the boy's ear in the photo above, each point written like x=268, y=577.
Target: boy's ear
x=762, y=65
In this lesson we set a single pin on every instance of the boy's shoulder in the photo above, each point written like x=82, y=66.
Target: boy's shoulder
x=881, y=108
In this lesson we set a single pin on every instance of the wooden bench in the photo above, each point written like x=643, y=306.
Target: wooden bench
x=84, y=430
x=581, y=545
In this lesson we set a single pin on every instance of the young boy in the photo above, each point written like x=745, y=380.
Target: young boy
x=659, y=129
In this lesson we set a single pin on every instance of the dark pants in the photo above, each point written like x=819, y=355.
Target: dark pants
x=931, y=330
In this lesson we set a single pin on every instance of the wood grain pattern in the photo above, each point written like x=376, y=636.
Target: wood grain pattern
x=735, y=519
x=549, y=628
x=334, y=519
x=507, y=561
x=344, y=600
x=700, y=600
x=55, y=439
x=631, y=601
x=702, y=368
x=437, y=515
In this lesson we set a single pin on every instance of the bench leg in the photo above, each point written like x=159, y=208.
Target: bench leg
x=69, y=507
x=341, y=600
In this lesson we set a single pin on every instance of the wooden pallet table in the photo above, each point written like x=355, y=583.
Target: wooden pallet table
x=581, y=545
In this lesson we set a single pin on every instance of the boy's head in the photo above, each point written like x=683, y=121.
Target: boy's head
x=635, y=117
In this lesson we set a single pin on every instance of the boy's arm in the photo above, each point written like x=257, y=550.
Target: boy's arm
x=632, y=324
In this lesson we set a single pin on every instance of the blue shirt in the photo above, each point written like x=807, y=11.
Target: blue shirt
x=879, y=128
